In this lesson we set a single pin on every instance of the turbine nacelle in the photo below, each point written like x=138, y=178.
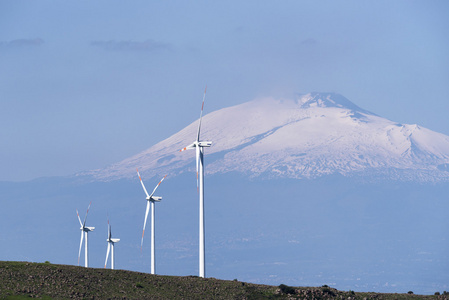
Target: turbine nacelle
x=112, y=240
x=87, y=229
x=205, y=144
x=154, y=198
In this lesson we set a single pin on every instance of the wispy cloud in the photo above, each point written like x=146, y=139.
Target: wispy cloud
x=22, y=43
x=145, y=46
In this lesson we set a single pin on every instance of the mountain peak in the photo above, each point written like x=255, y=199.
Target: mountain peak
x=316, y=99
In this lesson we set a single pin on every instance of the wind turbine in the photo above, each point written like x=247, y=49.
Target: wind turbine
x=199, y=145
x=150, y=201
x=111, y=243
x=84, y=231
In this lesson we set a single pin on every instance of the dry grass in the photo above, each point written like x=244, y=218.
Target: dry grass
x=22, y=280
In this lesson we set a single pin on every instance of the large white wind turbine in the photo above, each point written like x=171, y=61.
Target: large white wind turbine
x=84, y=231
x=150, y=201
x=111, y=243
x=199, y=145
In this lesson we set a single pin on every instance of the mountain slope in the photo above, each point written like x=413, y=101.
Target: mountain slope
x=314, y=135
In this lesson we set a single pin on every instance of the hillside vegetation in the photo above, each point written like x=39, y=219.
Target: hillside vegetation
x=21, y=280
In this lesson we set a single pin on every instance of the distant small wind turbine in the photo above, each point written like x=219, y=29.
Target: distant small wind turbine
x=111, y=243
x=199, y=145
x=84, y=231
x=150, y=199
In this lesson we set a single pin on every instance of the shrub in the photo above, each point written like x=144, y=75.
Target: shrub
x=327, y=290
x=410, y=292
x=139, y=285
x=287, y=289
x=437, y=293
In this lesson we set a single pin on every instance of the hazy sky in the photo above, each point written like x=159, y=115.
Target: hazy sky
x=87, y=83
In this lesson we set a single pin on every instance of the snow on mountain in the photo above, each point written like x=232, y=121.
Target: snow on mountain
x=313, y=135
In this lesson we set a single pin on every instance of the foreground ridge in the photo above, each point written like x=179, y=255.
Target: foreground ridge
x=45, y=280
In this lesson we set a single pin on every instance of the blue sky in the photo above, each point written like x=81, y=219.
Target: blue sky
x=87, y=83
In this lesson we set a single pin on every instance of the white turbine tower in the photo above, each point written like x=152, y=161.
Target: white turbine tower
x=84, y=231
x=111, y=243
x=199, y=145
x=150, y=201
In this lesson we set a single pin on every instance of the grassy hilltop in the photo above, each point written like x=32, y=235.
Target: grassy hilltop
x=21, y=280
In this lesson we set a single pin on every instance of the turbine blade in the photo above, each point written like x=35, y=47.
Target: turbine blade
x=107, y=255
x=85, y=218
x=79, y=218
x=81, y=244
x=197, y=167
x=201, y=116
x=191, y=146
x=109, y=229
x=157, y=186
x=142, y=184
x=144, y=224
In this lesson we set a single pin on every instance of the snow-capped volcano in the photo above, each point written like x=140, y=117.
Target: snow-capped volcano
x=313, y=135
